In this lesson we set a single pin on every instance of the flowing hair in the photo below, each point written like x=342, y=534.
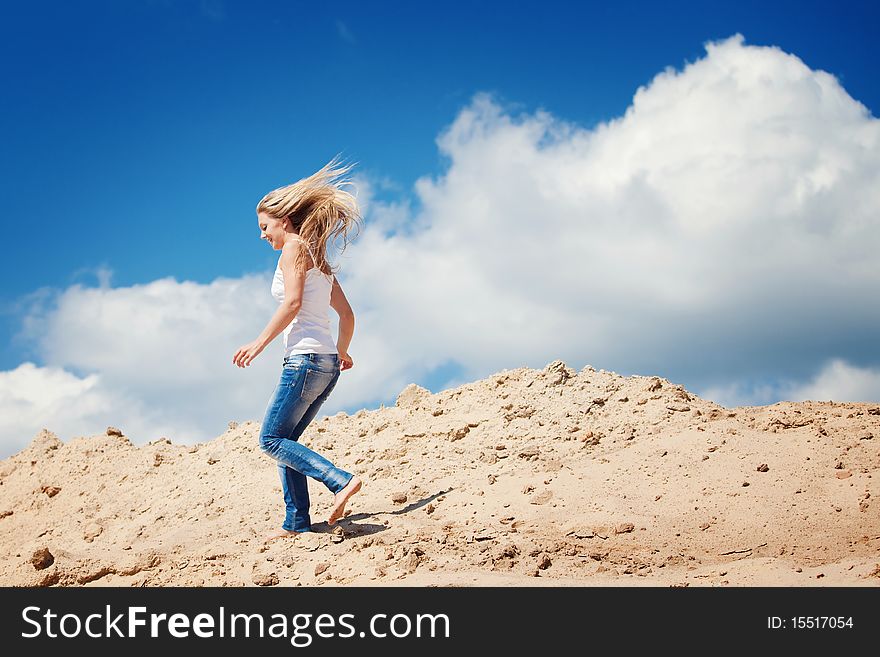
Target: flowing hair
x=318, y=208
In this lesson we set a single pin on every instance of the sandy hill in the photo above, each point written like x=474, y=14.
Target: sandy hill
x=527, y=477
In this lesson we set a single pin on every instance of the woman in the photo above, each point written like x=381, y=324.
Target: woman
x=298, y=220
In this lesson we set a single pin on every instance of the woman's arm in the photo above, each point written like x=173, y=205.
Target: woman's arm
x=280, y=320
x=294, y=284
x=340, y=304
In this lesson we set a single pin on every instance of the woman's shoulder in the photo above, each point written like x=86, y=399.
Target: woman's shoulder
x=293, y=245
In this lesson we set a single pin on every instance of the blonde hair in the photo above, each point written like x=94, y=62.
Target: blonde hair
x=318, y=208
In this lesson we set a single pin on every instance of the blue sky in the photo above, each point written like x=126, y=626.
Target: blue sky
x=139, y=136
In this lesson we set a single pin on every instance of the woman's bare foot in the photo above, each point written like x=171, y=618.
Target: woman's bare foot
x=341, y=498
x=280, y=533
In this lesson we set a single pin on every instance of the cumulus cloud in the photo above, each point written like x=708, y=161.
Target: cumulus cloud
x=837, y=381
x=33, y=397
x=840, y=381
x=154, y=360
x=724, y=228
x=722, y=232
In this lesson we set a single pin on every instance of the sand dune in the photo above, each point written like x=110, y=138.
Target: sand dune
x=528, y=477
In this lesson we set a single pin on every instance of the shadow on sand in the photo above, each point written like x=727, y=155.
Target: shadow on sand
x=351, y=529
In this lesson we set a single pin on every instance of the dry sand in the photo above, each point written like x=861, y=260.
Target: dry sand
x=529, y=477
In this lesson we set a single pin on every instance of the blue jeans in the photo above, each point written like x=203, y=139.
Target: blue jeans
x=306, y=382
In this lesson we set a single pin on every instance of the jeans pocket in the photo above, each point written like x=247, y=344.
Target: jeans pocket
x=315, y=383
x=292, y=375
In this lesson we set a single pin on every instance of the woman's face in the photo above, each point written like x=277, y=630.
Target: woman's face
x=271, y=230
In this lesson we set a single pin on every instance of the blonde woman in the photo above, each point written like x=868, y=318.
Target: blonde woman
x=299, y=220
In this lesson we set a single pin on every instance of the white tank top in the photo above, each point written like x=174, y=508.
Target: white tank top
x=309, y=332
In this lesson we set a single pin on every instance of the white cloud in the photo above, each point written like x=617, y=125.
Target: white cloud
x=33, y=397
x=727, y=222
x=836, y=381
x=151, y=359
x=839, y=381
x=723, y=230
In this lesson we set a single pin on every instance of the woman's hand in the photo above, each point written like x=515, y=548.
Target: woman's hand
x=246, y=354
x=345, y=361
